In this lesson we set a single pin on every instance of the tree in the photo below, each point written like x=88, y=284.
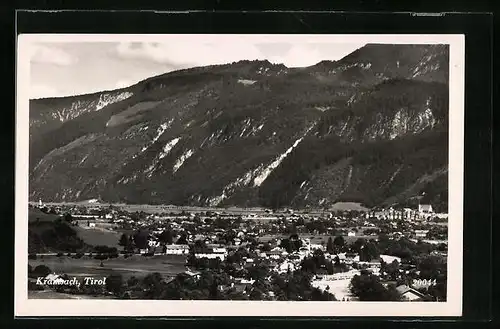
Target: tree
x=383, y=241
x=368, y=252
x=182, y=239
x=141, y=239
x=319, y=257
x=41, y=271
x=442, y=247
x=431, y=267
x=132, y=282
x=308, y=265
x=68, y=218
x=199, y=245
x=329, y=269
x=285, y=244
x=329, y=246
x=266, y=247
x=166, y=237
x=391, y=269
x=336, y=260
x=358, y=245
x=124, y=241
x=367, y=287
x=438, y=291
x=131, y=243
x=153, y=285
x=114, y=284
x=339, y=243
x=258, y=271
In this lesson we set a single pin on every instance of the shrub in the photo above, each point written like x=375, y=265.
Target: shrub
x=41, y=270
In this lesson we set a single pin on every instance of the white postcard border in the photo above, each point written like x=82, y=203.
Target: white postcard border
x=162, y=308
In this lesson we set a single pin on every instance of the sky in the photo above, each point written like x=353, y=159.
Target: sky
x=71, y=68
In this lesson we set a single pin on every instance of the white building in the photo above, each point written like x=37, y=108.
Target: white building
x=338, y=276
x=153, y=243
x=245, y=281
x=177, y=249
x=425, y=209
x=421, y=233
x=211, y=255
x=285, y=267
x=84, y=216
x=220, y=250
x=389, y=259
x=313, y=246
x=409, y=294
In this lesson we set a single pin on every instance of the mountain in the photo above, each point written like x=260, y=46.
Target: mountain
x=371, y=127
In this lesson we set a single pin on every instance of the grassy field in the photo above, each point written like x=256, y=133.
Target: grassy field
x=99, y=237
x=133, y=266
x=339, y=288
x=91, y=236
x=50, y=294
x=34, y=214
x=346, y=206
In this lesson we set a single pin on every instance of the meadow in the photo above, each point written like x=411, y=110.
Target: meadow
x=51, y=294
x=136, y=265
x=38, y=215
x=98, y=237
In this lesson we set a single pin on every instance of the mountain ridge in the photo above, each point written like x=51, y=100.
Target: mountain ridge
x=206, y=135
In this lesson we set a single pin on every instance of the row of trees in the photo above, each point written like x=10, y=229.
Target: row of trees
x=140, y=239
x=318, y=264
x=367, y=287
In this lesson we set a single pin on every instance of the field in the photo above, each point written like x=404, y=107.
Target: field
x=35, y=214
x=135, y=265
x=340, y=288
x=92, y=236
x=50, y=294
x=99, y=237
x=346, y=206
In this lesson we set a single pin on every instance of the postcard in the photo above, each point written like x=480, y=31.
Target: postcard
x=239, y=175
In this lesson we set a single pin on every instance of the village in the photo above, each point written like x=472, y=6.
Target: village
x=391, y=247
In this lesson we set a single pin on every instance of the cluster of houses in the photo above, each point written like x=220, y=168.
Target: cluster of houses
x=411, y=223
x=424, y=212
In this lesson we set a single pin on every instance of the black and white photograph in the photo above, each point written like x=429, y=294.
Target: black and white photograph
x=279, y=175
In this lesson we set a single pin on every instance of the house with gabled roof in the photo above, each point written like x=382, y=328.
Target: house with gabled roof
x=410, y=294
x=425, y=208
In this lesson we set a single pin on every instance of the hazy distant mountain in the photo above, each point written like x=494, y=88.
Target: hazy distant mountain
x=371, y=127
